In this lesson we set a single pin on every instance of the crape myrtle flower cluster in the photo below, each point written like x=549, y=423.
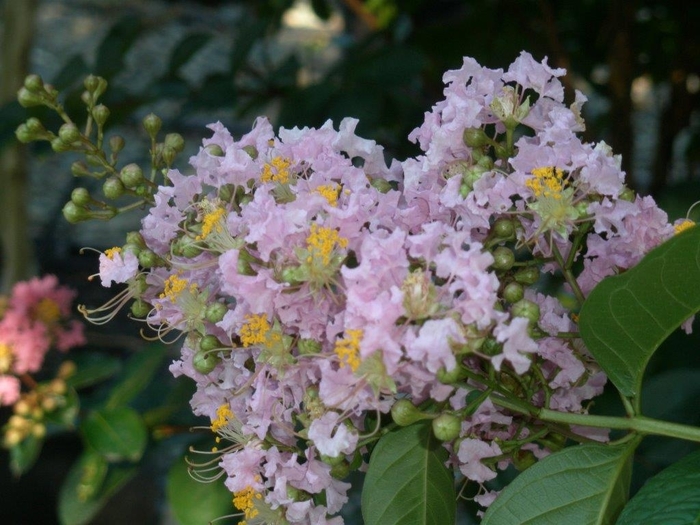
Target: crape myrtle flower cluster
x=35, y=317
x=323, y=296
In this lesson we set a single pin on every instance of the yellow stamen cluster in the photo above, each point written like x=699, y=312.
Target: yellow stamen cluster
x=547, y=181
x=245, y=501
x=322, y=241
x=47, y=311
x=686, y=224
x=329, y=192
x=223, y=415
x=255, y=330
x=212, y=221
x=111, y=252
x=174, y=286
x=348, y=349
x=277, y=170
x=5, y=358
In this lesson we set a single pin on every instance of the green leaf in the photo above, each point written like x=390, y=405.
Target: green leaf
x=248, y=34
x=627, y=317
x=194, y=502
x=117, y=433
x=66, y=414
x=74, y=508
x=672, y=496
x=407, y=482
x=24, y=455
x=185, y=50
x=73, y=70
x=112, y=50
x=138, y=373
x=93, y=368
x=583, y=484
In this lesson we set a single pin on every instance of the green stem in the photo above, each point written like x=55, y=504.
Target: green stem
x=568, y=275
x=640, y=424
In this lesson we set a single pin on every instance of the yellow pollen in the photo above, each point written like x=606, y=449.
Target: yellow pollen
x=348, y=349
x=329, y=192
x=212, y=222
x=5, y=358
x=174, y=286
x=277, y=170
x=245, y=501
x=223, y=415
x=255, y=331
x=111, y=252
x=322, y=241
x=686, y=224
x=47, y=311
x=547, y=181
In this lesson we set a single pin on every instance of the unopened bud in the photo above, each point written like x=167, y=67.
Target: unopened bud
x=404, y=413
x=215, y=312
x=34, y=83
x=528, y=276
x=204, y=362
x=59, y=146
x=513, y=292
x=27, y=99
x=446, y=427
x=81, y=196
x=527, y=309
x=113, y=188
x=175, y=141
x=140, y=308
x=475, y=138
x=503, y=258
x=100, y=113
x=131, y=175
x=116, y=143
x=74, y=213
x=152, y=123
x=79, y=169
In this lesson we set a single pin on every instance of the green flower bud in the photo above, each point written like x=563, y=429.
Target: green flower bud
x=527, y=276
x=50, y=91
x=189, y=247
x=86, y=98
x=81, y=196
x=209, y=342
x=205, y=362
x=244, y=267
x=523, y=459
x=250, y=150
x=35, y=126
x=527, y=309
x=627, y=194
x=215, y=312
x=148, y=259
x=142, y=190
x=34, y=83
x=168, y=155
x=59, y=146
x=24, y=134
x=93, y=160
x=446, y=427
x=381, y=185
x=448, y=377
x=69, y=133
x=503, y=229
x=308, y=346
x=341, y=470
x=91, y=83
x=513, y=292
x=501, y=151
x=131, y=175
x=485, y=162
x=152, y=123
x=100, y=113
x=138, y=285
x=135, y=238
x=116, y=143
x=175, y=141
x=27, y=99
x=503, y=258
x=74, y=213
x=113, y=188
x=215, y=150
x=226, y=192
x=404, y=413
x=79, y=169
x=475, y=138
x=464, y=190
x=140, y=308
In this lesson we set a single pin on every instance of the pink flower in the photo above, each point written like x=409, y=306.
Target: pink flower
x=331, y=437
x=9, y=390
x=470, y=453
x=117, y=267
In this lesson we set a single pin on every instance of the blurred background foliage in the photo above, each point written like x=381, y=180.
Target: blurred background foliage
x=303, y=62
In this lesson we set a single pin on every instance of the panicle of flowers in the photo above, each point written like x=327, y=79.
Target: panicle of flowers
x=316, y=285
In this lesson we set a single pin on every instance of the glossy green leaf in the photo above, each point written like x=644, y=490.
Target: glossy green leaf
x=113, y=49
x=138, y=372
x=627, y=317
x=584, y=484
x=671, y=497
x=93, y=368
x=117, y=434
x=74, y=507
x=185, y=50
x=247, y=36
x=193, y=502
x=24, y=455
x=407, y=482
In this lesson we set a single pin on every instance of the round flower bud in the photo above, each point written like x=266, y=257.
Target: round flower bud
x=341, y=470
x=513, y=292
x=100, y=113
x=50, y=91
x=131, y=175
x=35, y=126
x=148, y=258
x=251, y=150
x=59, y=146
x=209, y=342
x=204, y=362
x=189, y=247
x=448, y=377
x=503, y=258
x=140, y=308
x=446, y=427
x=528, y=276
x=308, y=346
x=27, y=99
x=86, y=98
x=24, y=134
x=404, y=413
x=501, y=151
x=116, y=143
x=527, y=309
x=168, y=154
x=79, y=169
x=503, y=229
x=69, y=133
x=627, y=194
x=475, y=138
x=135, y=238
x=80, y=196
x=215, y=150
x=34, y=83
x=113, y=188
x=485, y=162
x=91, y=83
x=175, y=141
x=152, y=123
x=215, y=312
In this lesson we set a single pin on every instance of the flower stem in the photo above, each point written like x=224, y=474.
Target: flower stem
x=568, y=275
